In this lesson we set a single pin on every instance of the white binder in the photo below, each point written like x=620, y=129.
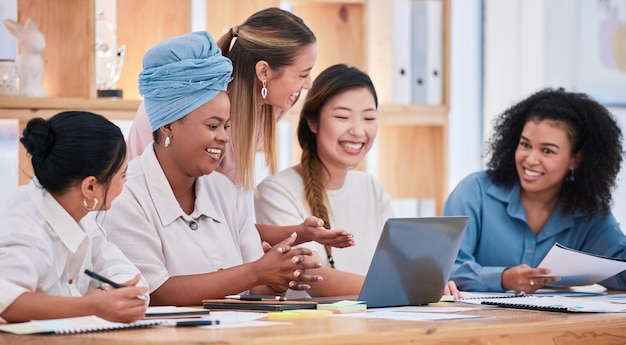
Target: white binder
x=427, y=52
x=402, y=75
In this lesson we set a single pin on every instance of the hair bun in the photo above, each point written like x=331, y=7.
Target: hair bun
x=38, y=138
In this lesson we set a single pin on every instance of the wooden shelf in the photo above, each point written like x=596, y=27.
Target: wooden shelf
x=24, y=108
x=412, y=138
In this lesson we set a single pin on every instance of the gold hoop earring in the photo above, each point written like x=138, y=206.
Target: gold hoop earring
x=264, y=89
x=86, y=206
x=167, y=141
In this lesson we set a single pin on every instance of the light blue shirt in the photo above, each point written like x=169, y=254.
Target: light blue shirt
x=498, y=235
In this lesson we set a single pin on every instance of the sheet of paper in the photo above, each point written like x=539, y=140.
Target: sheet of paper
x=426, y=309
x=613, y=298
x=578, y=268
x=409, y=316
x=236, y=316
x=245, y=324
x=240, y=319
x=170, y=309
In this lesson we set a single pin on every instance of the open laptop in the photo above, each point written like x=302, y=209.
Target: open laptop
x=412, y=261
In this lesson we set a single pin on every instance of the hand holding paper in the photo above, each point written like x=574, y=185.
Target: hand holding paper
x=579, y=268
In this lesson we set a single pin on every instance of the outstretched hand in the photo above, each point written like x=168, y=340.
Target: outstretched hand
x=314, y=230
x=527, y=279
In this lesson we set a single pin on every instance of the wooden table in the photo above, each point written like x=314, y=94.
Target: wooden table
x=497, y=327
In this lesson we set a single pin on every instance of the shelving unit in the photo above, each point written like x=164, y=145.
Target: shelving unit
x=412, y=138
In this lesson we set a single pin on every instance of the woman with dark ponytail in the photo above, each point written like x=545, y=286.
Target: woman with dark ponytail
x=48, y=240
x=338, y=125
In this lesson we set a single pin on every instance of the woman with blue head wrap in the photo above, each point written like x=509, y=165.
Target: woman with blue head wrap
x=194, y=227
x=273, y=53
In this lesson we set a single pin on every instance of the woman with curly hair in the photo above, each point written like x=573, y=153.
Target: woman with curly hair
x=554, y=158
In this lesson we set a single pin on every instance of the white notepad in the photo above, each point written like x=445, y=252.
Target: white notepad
x=73, y=325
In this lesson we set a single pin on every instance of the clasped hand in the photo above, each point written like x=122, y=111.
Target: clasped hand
x=286, y=265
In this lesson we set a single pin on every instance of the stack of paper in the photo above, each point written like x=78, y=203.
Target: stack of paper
x=579, y=268
x=345, y=306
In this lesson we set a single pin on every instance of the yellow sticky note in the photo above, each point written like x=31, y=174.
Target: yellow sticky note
x=283, y=315
x=447, y=298
x=343, y=306
x=312, y=313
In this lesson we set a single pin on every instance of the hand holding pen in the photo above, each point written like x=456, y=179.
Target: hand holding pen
x=123, y=303
x=106, y=280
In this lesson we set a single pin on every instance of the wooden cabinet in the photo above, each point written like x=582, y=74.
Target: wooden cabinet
x=412, y=138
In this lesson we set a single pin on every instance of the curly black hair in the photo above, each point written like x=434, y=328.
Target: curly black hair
x=595, y=137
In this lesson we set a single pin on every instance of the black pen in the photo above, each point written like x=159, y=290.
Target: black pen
x=201, y=322
x=98, y=277
x=257, y=298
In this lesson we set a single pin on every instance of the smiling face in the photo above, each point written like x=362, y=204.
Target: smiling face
x=544, y=157
x=198, y=139
x=284, y=85
x=346, y=130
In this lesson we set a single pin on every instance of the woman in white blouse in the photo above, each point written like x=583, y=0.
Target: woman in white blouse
x=47, y=240
x=188, y=228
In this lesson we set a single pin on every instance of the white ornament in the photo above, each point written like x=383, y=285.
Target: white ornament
x=29, y=63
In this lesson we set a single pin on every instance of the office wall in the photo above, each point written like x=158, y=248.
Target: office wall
x=532, y=44
x=8, y=48
x=528, y=44
x=465, y=136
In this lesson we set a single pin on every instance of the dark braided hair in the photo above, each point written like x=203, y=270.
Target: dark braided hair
x=594, y=135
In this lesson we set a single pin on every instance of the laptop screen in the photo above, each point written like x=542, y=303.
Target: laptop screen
x=413, y=261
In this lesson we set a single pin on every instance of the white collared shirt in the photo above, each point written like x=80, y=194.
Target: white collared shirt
x=151, y=228
x=361, y=206
x=42, y=249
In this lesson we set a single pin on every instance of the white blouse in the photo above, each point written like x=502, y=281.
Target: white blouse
x=42, y=249
x=151, y=228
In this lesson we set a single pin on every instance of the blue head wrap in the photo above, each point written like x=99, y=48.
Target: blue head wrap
x=180, y=75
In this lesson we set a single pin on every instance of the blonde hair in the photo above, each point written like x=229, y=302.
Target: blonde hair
x=277, y=37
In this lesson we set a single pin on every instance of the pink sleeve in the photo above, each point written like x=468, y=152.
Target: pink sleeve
x=140, y=134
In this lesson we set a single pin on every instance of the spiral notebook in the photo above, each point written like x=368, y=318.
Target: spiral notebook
x=73, y=325
x=556, y=304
